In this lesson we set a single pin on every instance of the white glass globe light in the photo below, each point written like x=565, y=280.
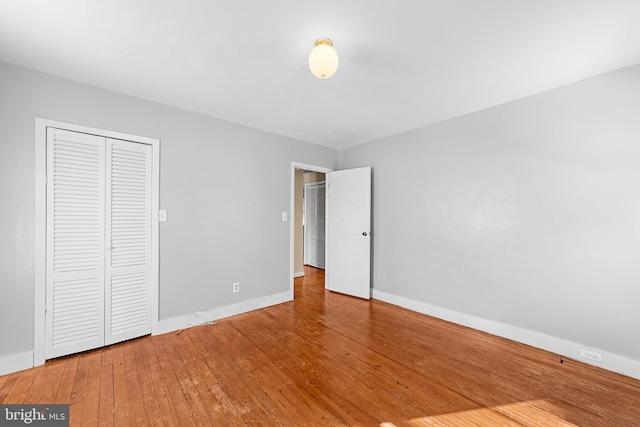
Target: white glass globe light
x=323, y=59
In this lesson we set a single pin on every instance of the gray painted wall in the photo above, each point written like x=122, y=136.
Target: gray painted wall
x=223, y=185
x=526, y=214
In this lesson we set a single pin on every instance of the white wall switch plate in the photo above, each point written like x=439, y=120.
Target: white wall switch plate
x=162, y=216
x=285, y=216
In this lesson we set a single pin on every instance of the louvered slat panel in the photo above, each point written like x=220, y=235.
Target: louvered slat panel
x=76, y=315
x=75, y=242
x=128, y=302
x=129, y=232
x=129, y=207
x=76, y=204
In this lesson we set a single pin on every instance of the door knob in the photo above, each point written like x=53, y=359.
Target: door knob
x=364, y=233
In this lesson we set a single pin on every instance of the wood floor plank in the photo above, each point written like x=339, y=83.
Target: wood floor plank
x=214, y=402
x=358, y=370
x=252, y=405
x=77, y=404
x=106, y=404
x=65, y=388
x=80, y=379
x=91, y=390
x=135, y=409
x=179, y=403
x=120, y=392
x=22, y=386
x=217, y=405
x=373, y=363
x=269, y=386
x=540, y=413
x=44, y=391
x=446, y=365
x=298, y=369
x=167, y=414
x=222, y=409
x=327, y=359
x=189, y=385
x=145, y=382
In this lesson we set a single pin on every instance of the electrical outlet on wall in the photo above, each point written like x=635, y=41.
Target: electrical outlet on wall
x=236, y=287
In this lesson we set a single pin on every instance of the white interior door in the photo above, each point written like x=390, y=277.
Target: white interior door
x=348, y=226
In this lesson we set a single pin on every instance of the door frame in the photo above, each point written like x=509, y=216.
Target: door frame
x=307, y=167
x=41, y=126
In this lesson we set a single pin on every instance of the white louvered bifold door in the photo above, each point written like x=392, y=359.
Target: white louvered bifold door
x=310, y=218
x=128, y=234
x=320, y=225
x=75, y=242
x=314, y=211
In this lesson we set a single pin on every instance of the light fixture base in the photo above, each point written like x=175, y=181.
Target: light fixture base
x=324, y=41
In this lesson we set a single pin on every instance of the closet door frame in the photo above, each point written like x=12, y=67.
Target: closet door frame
x=41, y=126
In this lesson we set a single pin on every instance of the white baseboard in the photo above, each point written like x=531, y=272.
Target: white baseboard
x=189, y=320
x=16, y=362
x=299, y=274
x=612, y=362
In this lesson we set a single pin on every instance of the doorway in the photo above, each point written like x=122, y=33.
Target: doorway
x=348, y=229
x=311, y=176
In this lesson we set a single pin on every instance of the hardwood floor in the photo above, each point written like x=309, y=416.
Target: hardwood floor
x=323, y=360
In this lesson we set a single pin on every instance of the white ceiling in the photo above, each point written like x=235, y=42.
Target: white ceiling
x=403, y=64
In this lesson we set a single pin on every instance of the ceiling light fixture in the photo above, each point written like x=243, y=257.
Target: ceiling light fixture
x=323, y=59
